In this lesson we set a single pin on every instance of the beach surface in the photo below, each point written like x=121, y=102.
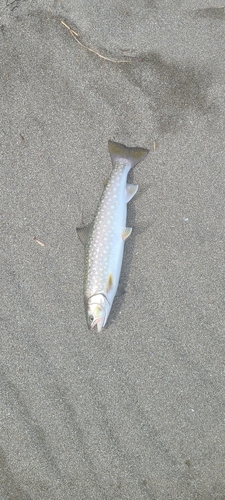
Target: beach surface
x=137, y=411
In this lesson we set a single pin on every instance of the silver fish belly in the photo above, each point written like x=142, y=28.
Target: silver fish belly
x=106, y=237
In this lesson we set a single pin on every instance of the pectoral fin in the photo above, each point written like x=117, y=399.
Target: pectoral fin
x=126, y=232
x=131, y=190
x=109, y=284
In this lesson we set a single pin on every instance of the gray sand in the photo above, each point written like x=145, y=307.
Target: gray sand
x=135, y=412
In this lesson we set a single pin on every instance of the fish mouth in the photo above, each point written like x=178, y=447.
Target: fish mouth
x=97, y=308
x=95, y=322
x=99, y=322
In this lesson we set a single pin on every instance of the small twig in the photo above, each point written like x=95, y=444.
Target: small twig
x=70, y=29
x=75, y=35
x=39, y=242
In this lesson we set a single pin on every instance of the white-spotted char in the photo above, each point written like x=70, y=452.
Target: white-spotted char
x=105, y=237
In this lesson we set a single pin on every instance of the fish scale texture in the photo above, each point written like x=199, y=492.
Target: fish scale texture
x=104, y=251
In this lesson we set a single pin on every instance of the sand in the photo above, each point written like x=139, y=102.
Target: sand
x=136, y=412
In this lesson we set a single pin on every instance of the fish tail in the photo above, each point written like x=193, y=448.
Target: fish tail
x=131, y=155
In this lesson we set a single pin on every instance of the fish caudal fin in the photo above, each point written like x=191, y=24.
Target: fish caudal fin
x=131, y=155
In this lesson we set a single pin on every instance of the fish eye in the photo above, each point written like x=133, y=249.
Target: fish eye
x=91, y=318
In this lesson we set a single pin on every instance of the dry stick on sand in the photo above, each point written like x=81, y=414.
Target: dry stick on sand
x=39, y=242
x=75, y=35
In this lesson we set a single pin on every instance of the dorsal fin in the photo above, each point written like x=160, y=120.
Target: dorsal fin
x=84, y=233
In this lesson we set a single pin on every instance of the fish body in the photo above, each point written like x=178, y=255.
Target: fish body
x=105, y=242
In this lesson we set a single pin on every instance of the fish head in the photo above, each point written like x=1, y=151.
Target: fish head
x=97, y=311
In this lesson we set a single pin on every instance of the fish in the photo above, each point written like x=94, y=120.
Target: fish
x=104, y=238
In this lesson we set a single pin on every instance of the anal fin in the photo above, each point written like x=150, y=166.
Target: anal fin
x=131, y=190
